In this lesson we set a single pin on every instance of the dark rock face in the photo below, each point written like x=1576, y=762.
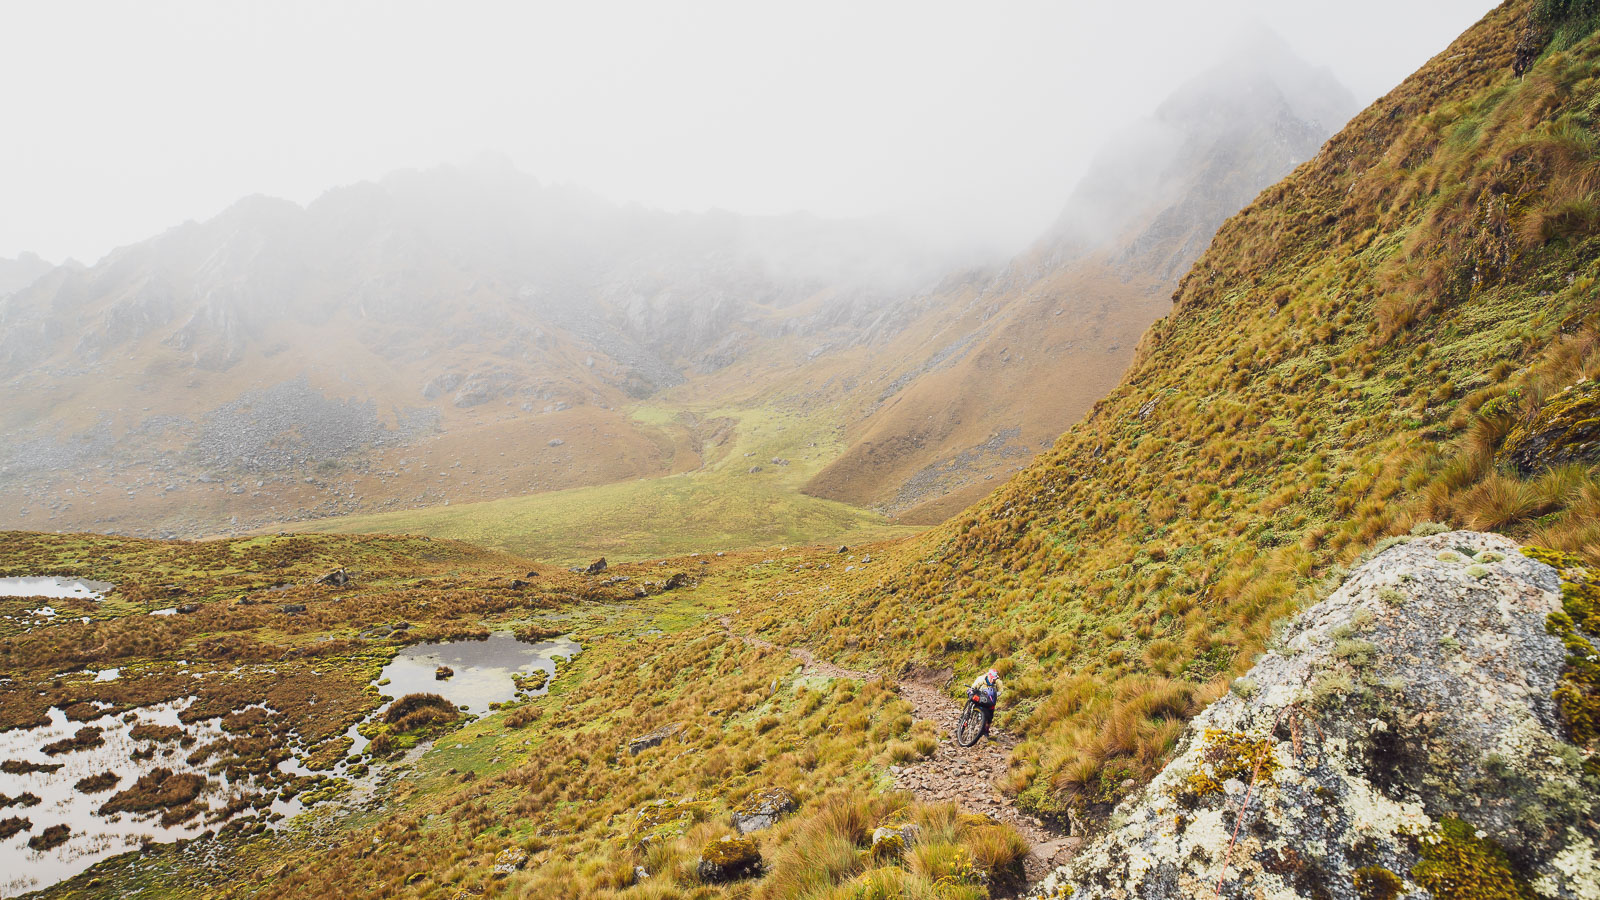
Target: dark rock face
x=294, y=607
x=1566, y=429
x=763, y=809
x=596, y=567
x=1403, y=728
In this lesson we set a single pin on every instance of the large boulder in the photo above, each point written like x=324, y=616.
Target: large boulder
x=1565, y=429
x=1401, y=738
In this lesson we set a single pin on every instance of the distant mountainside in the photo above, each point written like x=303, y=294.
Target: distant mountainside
x=18, y=273
x=466, y=333
x=1017, y=357
x=279, y=361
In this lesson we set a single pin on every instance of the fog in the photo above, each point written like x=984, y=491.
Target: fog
x=973, y=120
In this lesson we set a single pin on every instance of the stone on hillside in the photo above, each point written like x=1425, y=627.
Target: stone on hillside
x=763, y=809
x=1403, y=734
x=187, y=608
x=596, y=567
x=509, y=860
x=728, y=859
x=892, y=840
x=293, y=607
x=1566, y=429
x=654, y=739
x=677, y=580
x=336, y=578
x=441, y=383
x=556, y=442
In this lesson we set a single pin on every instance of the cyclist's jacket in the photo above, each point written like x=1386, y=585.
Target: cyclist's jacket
x=985, y=692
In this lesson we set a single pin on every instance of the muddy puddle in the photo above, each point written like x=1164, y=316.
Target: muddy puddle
x=52, y=798
x=55, y=588
x=483, y=670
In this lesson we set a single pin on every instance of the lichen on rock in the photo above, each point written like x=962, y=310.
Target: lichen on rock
x=1386, y=750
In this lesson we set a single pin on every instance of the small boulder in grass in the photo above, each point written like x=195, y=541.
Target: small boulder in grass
x=729, y=858
x=509, y=860
x=763, y=809
x=889, y=841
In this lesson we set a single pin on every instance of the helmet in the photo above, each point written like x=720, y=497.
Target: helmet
x=991, y=675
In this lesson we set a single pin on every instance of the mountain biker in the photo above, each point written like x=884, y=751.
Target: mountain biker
x=985, y=693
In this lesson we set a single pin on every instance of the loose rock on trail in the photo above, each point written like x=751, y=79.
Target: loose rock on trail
x=966, y=776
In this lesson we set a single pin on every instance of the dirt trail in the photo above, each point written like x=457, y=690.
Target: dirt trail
x=966, y=776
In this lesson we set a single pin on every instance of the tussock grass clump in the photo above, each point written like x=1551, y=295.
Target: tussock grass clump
x=414, y=712
x=158, y=789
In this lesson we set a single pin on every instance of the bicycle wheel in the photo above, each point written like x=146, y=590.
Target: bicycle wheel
x=971, y=726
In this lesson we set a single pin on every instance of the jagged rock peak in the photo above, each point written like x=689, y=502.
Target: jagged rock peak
x=1401, y=737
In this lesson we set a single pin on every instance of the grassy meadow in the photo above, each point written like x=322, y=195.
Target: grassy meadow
x=721, y=506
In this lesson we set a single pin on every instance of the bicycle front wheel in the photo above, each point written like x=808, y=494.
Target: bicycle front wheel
x=971, y=727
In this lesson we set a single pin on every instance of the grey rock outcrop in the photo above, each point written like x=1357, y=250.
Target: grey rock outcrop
x=654, y=739
x=762, y=810
x=1400, y=734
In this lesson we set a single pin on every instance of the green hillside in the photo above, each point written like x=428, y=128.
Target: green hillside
x=1342, y=365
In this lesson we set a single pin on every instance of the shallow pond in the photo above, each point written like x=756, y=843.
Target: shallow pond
x=94, y=836
x=51, y=586
x=483, y=669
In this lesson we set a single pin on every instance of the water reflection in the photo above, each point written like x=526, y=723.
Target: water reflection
x=58, y=588
x=483, y=669
x=94, y=836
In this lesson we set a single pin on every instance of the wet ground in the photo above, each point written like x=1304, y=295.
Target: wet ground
x=95, y=836
x=55, y=588
x=485, y=673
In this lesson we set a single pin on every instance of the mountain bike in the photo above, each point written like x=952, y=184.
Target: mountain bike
x=970, y=728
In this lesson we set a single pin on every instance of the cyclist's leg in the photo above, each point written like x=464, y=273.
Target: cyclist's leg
x=988, y=716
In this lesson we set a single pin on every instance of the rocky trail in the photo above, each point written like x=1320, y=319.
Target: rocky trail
x=966, y=776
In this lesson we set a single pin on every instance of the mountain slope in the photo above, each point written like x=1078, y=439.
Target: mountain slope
x=16, y=274
x=462, y=333
x=1343, y=363
x=1035, y=345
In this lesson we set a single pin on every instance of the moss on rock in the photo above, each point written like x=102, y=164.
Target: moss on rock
x=729, y=858
x=1377, y=883
x=1565, y=429
x=1456, y=864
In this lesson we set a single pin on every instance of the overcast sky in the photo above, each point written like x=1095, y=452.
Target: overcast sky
x=124, y=118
